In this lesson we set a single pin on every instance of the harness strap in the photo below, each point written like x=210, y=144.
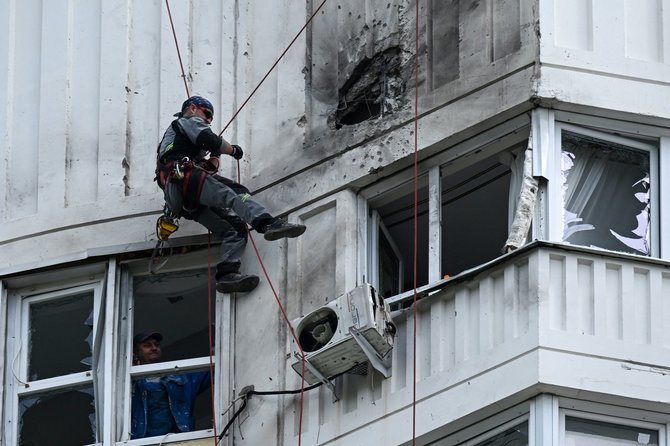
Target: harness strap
x=191, y=176
x=194, y=178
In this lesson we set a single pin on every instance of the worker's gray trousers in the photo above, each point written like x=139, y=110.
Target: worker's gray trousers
x=226, y=208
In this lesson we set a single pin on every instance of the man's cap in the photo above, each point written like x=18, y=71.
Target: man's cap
x=198, y=101
x=141, y=337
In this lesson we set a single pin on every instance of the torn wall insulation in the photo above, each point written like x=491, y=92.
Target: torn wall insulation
x=523, y=216
x=375, y=88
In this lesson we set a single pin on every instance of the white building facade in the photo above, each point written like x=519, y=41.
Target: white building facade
x=543, y=249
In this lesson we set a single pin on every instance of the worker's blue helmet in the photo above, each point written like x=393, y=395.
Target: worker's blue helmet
x=198, y=101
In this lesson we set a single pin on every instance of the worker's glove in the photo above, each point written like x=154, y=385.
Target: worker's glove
x=237, y=152
x=211, y=165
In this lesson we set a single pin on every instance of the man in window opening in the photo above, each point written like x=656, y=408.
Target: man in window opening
x=162, y=405
x=187, y=166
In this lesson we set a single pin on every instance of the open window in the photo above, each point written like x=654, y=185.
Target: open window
x=464, y=225
x=178, y=306
x=392, y=238
x=476, y=210
x=51, y=335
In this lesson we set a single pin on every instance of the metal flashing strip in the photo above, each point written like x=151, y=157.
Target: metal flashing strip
x=95, y=254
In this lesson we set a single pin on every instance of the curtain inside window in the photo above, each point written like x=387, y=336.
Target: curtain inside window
x=605, y=195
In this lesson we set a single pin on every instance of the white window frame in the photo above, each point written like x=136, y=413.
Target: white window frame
x=628, y=422
x=222, y=309
x=546, y=141
x=376, y=228
x=17, y=384
x=555, y=201
x=462, y=154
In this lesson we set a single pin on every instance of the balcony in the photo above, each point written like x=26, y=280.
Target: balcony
x=551, y=318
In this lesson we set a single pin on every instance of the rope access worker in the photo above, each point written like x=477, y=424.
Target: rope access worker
x=193, y=190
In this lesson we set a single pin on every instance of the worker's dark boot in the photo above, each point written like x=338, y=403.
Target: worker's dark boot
x=280, y=229
x=236, y=283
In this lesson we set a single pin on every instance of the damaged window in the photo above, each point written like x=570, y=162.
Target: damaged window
x=475, y=212
x=58, y=418
x=160, y=300
x=464, y=224
x=51, y=337
x=606, y=194
x=393, y=235
x=60, y=335
x=171, y=332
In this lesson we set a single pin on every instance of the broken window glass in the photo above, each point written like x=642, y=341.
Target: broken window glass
x=605, y=194
x=174, y=304
x=581, y=432
x=59, y=336
x=57, y=418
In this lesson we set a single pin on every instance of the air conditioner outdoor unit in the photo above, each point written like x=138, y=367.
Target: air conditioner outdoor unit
x=353, y=329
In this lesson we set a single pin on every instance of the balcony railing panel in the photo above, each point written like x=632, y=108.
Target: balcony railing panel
x=588, y=304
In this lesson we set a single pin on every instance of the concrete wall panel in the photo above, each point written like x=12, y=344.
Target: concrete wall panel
x=592, y=48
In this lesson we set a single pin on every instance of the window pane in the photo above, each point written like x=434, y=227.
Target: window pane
x=605, y=195
x=60, y=336
x=174, y=304
x=174, y=403
x=398, y=217
x=580, y=432
x=515, y=436
x=60, y=418
x=389, y=268
x=475, y=215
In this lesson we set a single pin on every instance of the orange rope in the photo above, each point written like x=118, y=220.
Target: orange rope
x=288, y=322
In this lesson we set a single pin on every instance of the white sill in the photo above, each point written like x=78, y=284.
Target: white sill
x=169, y=438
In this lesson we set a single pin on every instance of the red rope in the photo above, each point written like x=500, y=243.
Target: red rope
x=416, y=205
x=272, y=67
x=174, y=35
x=295, y=337
x=288, y=322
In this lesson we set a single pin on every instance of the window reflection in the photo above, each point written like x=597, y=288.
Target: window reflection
x=581, y=432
